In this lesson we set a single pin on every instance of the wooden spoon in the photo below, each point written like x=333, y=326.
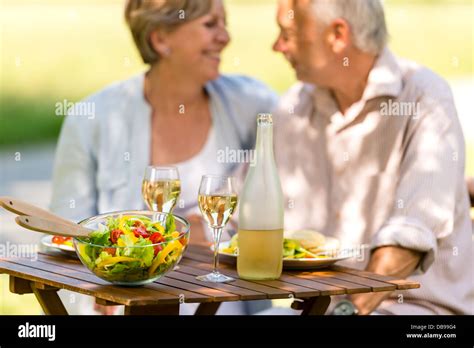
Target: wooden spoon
x=43, y=225
x=22, y=208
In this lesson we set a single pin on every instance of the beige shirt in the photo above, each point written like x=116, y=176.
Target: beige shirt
x=388, y=172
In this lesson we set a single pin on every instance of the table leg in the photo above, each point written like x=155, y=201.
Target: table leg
x=170, y=309
x=208, y=308
x=313, y=306
x=48, y=299
x=20, y=286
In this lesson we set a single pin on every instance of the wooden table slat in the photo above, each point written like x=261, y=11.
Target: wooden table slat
x=374, y=285
x=261, y=295
x=351, y=280
x=52, y=279
x=336, y=286
x=350, y=288
x=244, y=294
x=191, y=297
x=292, y=287
x=216, y=295
x=321, y=287
x=324, y=288
x=401, y=284
x=91, y=285
x=270, y=291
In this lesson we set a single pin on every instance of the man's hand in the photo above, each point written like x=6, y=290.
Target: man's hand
x=198, y=235
x=389, y=260
x=106, y=310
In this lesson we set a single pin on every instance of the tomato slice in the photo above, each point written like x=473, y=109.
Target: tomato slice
x=138, y=223
x=141, y=231
x=58, y=240
x=114, y=235
x=157, y=237
x=111, y=251
x=61, y=239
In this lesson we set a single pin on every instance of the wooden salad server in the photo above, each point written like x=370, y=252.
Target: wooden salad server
x=19, y=207
x=39, y=224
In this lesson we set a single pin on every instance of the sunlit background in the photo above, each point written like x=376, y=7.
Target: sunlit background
x=52, y=50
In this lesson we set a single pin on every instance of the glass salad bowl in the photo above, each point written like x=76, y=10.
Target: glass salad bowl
x=133, y=248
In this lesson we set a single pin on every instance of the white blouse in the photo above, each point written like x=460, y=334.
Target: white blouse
x=100, y=160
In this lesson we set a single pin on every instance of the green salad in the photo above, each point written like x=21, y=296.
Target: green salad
x=292, y=249
x=132, y=248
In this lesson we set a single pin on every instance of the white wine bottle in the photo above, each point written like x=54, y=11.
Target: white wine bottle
x=260, y=238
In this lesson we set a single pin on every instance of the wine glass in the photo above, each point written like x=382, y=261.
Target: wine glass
x=217, y=201
x=161, y=188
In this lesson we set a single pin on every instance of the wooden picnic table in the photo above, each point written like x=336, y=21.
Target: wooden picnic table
x=311, y=290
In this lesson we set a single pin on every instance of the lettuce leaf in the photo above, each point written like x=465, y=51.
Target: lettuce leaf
x=100, y=237
x=170, y=224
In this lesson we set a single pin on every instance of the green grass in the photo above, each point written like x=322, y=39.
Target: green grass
x=28, y=120
x=12, y=304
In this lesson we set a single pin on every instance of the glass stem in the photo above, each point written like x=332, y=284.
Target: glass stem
x=217, y=232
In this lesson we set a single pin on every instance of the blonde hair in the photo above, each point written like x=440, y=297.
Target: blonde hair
x=145, y=16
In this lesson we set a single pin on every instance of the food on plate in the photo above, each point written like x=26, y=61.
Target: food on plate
x=313, y=241
x=60, y=240
x=132, y=248
x=309, y=239
x=296, y=245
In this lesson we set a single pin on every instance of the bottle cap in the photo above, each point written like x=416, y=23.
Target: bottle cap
x=264, y=119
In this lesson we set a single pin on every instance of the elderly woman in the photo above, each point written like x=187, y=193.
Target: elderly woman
x=180, y=112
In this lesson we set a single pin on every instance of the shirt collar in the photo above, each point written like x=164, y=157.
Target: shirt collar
x=385, y=78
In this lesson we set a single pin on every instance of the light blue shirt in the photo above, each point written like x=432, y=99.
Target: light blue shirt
x=100, y=160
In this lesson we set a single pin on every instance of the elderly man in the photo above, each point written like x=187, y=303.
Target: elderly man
x=371, y=152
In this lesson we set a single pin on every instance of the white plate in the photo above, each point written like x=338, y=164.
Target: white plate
x=48, y=242
x=307, y=263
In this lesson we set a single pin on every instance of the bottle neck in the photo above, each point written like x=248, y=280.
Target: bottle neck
x=264, y=142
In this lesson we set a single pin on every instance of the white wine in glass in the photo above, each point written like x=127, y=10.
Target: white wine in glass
x=217, y=201
x=161, y=188
x=217, y=209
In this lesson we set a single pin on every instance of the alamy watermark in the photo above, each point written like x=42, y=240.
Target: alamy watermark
x=358, y=252
x=399, y=108
x=68, y=108
x=12, y=250
x=228, y=155
x=37, y=331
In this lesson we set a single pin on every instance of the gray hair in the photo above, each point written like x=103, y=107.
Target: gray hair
x=365, y=17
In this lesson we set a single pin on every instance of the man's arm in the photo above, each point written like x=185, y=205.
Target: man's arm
x=387, y=260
